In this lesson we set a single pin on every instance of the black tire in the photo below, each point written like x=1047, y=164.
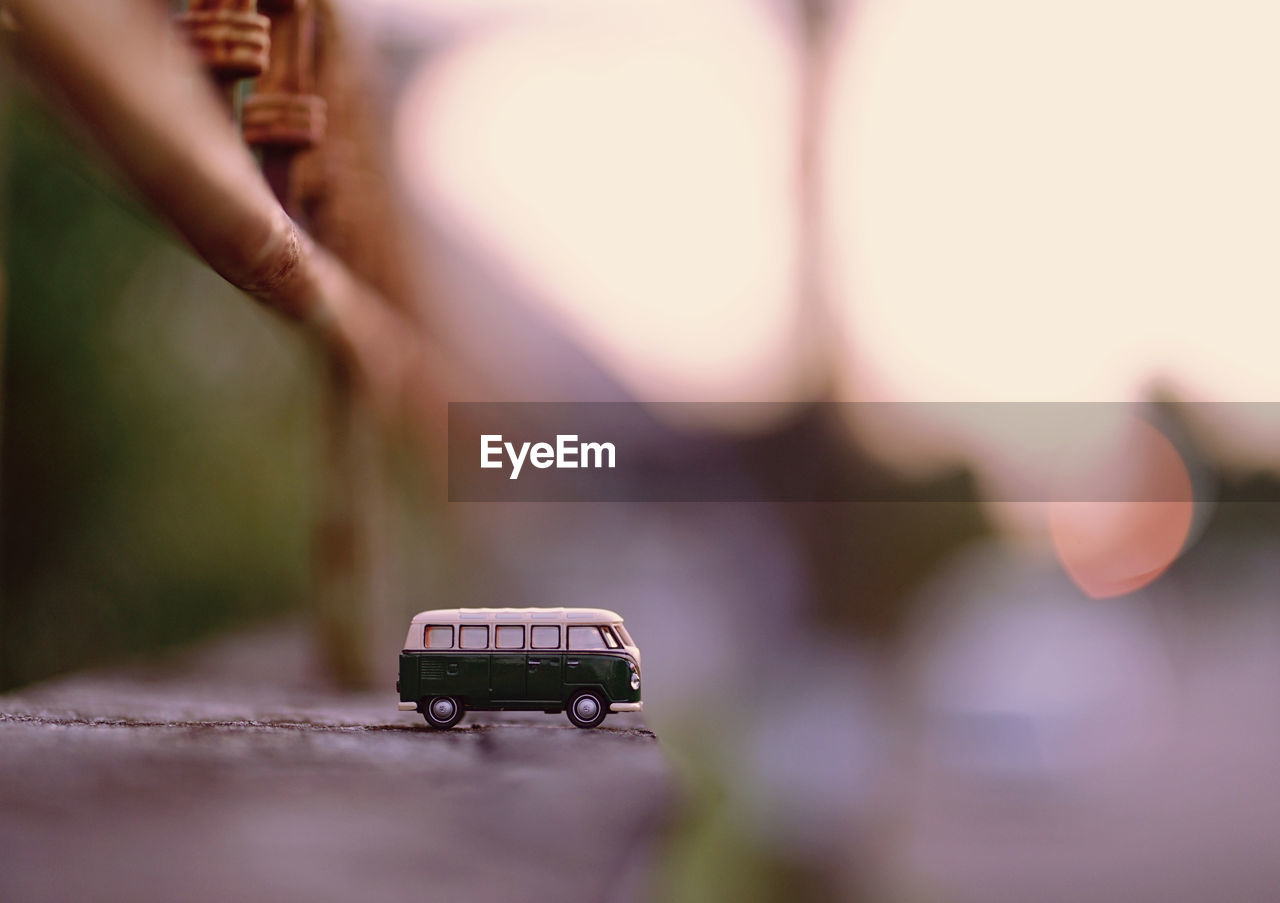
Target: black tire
x=587, y=709
x=442, y=712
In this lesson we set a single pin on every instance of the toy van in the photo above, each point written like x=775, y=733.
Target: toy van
x=580, y=661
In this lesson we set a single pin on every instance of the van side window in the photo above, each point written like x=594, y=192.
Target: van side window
x=545, y=636
x=438, y=636
x=508, y=636
x=585, y=638
x=609, y=639
x=471, y=636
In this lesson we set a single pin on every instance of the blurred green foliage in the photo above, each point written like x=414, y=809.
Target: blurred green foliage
x=159, y=429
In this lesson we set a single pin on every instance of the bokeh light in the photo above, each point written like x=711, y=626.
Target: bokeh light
x=1046, y=201
x=1123, y=513
x=632, y=170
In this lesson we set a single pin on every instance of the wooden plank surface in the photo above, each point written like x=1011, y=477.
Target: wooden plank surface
x=230, y=772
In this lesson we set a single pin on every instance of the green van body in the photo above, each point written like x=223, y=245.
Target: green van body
x=528, y=680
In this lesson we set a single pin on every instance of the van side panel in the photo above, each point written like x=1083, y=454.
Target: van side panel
x=508, y=678
x=468, y=676
x=461, y=674
x=546, y=676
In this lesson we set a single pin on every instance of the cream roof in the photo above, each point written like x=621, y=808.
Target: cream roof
x=516, y=615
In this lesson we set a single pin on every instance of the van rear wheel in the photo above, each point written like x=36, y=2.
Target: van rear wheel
x=587, y=709
x=442, y=712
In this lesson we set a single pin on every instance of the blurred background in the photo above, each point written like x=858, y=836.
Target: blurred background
x=969, y=693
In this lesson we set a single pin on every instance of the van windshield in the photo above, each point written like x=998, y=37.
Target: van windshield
x=622, y=632
x=585, y=638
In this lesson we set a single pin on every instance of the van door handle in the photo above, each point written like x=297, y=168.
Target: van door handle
x=572, y=662
x=534, y=661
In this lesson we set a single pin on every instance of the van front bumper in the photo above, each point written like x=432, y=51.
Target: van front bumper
x=407, y=706
x=626, y=707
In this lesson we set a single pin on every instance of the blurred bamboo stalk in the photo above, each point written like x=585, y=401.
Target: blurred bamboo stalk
x=813, y=23
x=144, y=101
x=6, y=74
x=345, y=556
x=283, y=119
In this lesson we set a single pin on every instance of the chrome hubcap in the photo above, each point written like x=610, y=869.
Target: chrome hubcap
x=586, y=708
x=443, y=709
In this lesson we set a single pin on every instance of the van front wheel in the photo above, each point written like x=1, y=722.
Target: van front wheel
x=442, y=712
x=587, y=709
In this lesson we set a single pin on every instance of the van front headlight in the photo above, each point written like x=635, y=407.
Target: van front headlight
x=635, y=677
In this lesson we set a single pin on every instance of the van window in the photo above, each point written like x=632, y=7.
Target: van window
x=438, y=636
x=508, y=636
x=473, y=637
x=609, y=639
x=545, y=636
x=585, y=638
x=622, y=632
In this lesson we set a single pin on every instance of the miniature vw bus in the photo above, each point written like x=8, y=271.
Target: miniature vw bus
x=580, y=661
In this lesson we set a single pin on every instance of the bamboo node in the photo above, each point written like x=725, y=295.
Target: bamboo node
x=232, y=43
x=284, y=120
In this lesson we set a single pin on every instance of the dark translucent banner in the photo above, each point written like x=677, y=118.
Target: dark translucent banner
x=861, y=452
